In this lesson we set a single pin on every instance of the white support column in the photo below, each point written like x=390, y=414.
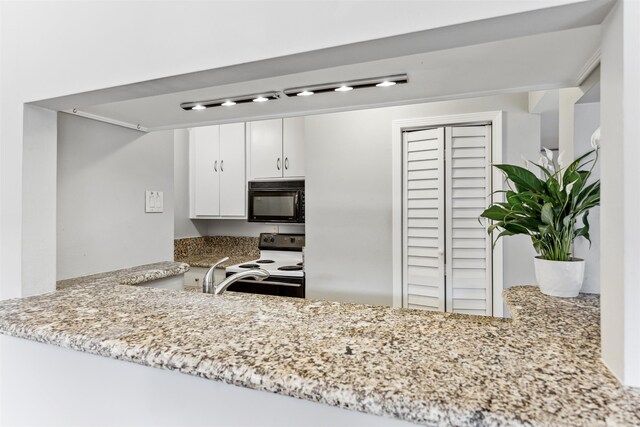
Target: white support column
x=39, y=166
x=566, y=101
x=620, y=208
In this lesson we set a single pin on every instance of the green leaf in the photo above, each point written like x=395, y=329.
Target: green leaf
x=505, y=233
x=584, y=231
x=522, y=178
x=544, y=229
x=493, y=227
x=543, y=169
x=547, y=214
x=576, y=163
x=495, y=213
x=554, y=188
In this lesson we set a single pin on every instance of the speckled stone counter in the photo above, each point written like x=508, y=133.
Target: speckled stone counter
x=205, y=251
x=129, y=276
x=207, y=260
x=542, y=368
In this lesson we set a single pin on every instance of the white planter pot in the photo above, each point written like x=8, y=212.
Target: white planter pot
x=559, y=278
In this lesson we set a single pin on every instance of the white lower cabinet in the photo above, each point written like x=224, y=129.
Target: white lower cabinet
x=217, y=177
x=193, y=277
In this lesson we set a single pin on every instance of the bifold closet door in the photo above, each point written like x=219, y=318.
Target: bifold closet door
x=424, y=219
x=468, y=247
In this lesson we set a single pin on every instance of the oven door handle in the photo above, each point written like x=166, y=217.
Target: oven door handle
x=269, y=282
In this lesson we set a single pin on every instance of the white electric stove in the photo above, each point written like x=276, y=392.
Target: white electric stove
x=281, y=256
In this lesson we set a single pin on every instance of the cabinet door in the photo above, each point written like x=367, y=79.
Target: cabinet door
x=205, y=143
x=293, y=147
x=424, y=220
x=468, y=177
x=266, y=149
x=233, y=189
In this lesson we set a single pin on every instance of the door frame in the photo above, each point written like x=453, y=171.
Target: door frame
x=397, y=128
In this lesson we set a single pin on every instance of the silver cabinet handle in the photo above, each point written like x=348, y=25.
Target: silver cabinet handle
x=286, y=163
x=215, y=166
x=278, y=163
x=221, y=165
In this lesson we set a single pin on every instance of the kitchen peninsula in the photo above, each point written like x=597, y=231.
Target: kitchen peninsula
x=404, y=365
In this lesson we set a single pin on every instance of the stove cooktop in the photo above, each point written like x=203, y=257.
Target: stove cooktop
x=280, y=255
x=284, y=264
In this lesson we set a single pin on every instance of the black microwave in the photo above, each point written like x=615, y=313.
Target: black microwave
x=276, y=201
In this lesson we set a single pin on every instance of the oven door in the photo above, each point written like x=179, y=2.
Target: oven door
x=274, y=206
x=281, y=286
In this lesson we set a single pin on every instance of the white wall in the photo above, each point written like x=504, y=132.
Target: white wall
x=183, y=225
x=240, y=227
x=586, y=121
x=620, y=204
x=39, y=202
x=103, y=172
x=349, y=195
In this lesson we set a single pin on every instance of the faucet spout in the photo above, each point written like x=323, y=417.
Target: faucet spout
x=258, y=274
x=208, y=281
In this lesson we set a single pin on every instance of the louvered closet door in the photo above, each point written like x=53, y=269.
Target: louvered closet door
x=468, y=247
x=423, y=222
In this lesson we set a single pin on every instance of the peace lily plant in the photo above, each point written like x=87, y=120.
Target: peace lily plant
x=553, y=211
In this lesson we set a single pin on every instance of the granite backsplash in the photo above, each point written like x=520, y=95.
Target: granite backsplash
x=228, y=245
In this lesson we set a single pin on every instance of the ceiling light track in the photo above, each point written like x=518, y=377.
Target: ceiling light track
x=302, y=91
x=348, y=85
x=230, y=101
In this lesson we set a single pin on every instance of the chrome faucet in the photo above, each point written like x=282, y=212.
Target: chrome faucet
x=208, y=286
x=208, y=281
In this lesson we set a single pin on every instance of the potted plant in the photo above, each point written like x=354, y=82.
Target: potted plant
x=552, y=211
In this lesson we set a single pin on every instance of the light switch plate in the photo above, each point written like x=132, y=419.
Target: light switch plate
x=154, y=201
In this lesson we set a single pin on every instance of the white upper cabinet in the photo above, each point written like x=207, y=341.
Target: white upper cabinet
x=266, y=149
x=293, y=147
x=277, y=148
x=217, y=171
x=232, y=170
x=205, y=146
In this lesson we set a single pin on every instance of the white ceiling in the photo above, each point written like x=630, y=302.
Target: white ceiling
x=535, y=62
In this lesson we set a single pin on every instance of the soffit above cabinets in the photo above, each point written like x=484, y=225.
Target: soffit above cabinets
x=543, y=61
x=538, y=50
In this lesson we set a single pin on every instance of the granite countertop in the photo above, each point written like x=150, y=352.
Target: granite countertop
x=205, y=251
x=436, y=369
x=129, y=276
x=207, y=260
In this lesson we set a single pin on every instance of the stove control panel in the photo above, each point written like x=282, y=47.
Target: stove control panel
x=281, y=242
